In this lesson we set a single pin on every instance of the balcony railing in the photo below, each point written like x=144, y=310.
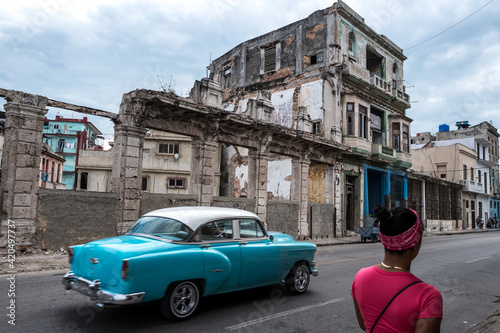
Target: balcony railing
x=380, y=83
x=401, y=95
x=471, y=186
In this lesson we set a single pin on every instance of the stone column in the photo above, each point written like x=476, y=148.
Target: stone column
x=257, y=181
x=127, y=173
x=24, y=119
x=330, y=183
x=203, y=164
x=300, y=178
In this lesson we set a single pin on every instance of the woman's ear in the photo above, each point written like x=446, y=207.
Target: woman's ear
x=415, y=250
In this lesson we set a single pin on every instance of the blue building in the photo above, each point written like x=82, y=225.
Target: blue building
x=67, y=137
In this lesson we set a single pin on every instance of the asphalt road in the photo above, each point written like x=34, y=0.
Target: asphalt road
x=465, y=268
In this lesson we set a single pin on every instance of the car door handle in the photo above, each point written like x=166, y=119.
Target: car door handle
x=204, y=245
x=243, y=243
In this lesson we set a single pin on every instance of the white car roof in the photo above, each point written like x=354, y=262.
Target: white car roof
x=194, y=216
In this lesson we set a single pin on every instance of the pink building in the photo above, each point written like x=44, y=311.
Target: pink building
x=51, y=169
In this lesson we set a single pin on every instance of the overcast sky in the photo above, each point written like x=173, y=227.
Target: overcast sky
x=92, y=52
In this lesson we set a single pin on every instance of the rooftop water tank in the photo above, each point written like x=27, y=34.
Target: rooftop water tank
x=444, y=128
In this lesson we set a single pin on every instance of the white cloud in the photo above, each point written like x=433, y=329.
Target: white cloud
x=91, y=52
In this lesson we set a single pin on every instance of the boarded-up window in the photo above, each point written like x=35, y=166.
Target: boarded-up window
x=270, y=58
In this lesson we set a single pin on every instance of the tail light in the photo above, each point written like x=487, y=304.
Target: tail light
x=124, y=269
x=71, y=252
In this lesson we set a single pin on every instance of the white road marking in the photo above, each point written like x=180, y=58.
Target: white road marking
x=281, y=314
x=478, y=259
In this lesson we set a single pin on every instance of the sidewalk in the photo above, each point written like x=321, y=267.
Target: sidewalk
x=356, y=238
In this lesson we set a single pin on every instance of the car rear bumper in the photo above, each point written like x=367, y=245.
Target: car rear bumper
x=94, y=291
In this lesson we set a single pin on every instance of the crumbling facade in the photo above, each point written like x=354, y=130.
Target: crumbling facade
x=305, y=125
x=331, y=76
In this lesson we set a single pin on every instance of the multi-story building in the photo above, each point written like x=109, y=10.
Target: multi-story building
x=166, y=166
x=469, y=156
x=334, y=77
x=51, y=169
x=68, y=137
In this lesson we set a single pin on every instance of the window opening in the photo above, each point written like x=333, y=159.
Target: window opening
x=227, y=78
x=84, y=177
x=175, y=183
x=168, y=148
x=406, y=138
x=317, y=58
x=317, y=127
x=376, y=126
x=145, y=184
x=60, y=146
x=396, y=136
x=351, y=41
x=374, y=63
x=350, y=118
x=363, y=122
x=270, y=58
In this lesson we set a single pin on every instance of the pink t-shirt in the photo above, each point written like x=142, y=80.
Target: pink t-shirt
x=373, y=288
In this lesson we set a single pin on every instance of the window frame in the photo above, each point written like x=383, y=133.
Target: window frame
x=176, y=179
x=147, y=179
x=363, y=121
x=175, y=148
x=350, y=114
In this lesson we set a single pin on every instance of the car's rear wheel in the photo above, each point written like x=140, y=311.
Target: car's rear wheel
x=298, y=279
x=180, y=301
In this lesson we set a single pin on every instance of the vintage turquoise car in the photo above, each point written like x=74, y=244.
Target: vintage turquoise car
x=176, y=255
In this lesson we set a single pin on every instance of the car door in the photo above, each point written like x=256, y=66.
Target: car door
x=222, y=255
x=259, y=255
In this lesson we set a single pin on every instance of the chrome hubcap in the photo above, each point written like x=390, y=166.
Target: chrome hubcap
x=184, y=299
x=301, y=278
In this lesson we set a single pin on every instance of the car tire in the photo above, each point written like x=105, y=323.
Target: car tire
x=180, y=301
x=297, y=280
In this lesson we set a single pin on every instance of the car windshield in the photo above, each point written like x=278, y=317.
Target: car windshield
x=160, y=227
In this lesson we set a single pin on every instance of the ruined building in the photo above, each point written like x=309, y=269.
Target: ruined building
x=331, y=76
x=305, y=126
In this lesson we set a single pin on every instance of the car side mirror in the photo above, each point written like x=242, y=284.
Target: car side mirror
x=271, y=238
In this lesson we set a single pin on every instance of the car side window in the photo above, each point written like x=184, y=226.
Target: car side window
x=218, y=230
x=250, y=229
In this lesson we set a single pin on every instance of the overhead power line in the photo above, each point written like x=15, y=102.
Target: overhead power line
x=442, y=32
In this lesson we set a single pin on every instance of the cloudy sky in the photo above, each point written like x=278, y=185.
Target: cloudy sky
x=91, y=52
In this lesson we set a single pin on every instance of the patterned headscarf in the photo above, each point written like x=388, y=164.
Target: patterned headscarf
x=406, y=240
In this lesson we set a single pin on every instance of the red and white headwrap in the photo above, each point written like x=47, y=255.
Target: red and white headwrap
x=406, y=240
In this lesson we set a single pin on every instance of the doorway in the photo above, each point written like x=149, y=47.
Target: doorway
x=350, y=203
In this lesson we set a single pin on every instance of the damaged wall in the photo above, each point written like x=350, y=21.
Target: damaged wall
x=67, y=218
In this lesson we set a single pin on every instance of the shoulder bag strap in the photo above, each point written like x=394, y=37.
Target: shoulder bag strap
x=399, y=292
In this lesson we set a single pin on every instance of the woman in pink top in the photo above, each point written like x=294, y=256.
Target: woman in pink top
x=387, y=297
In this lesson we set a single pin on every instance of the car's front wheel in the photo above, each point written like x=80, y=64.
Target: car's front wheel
x=298, y=279
x=180, y=301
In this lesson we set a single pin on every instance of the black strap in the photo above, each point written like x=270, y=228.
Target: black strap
x=399, y=292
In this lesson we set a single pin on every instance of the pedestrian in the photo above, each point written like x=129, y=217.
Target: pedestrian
x=388, y=297
x=478, y=223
